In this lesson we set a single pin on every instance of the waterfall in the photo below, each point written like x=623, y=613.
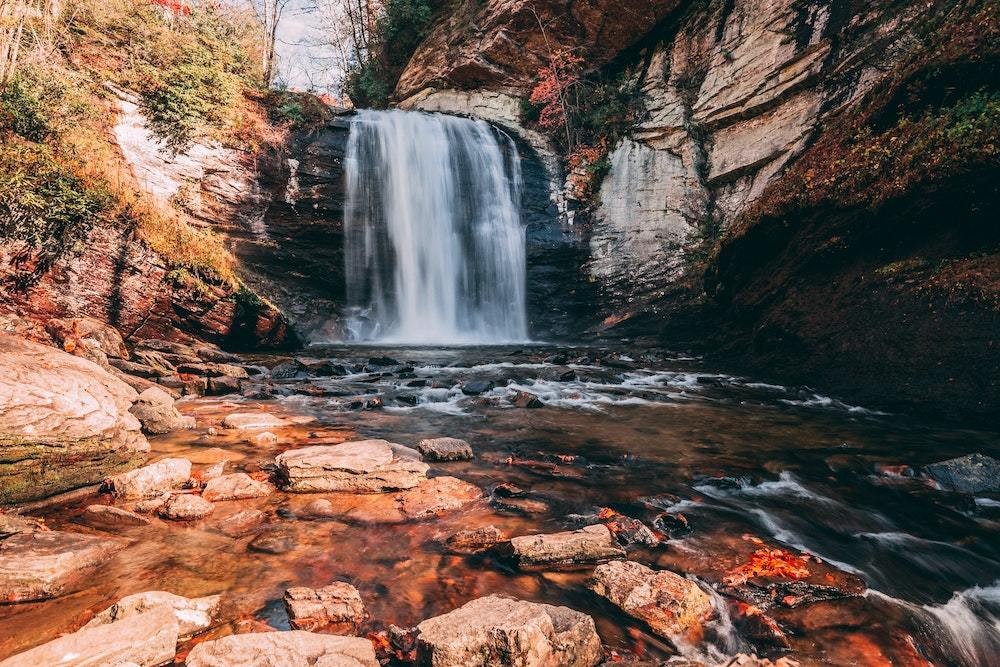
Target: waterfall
x=434, y=241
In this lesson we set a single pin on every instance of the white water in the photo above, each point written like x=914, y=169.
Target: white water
x=435, y=245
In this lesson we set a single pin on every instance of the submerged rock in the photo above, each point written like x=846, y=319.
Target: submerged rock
x=151, y=480
x=973, y=473
x=524, y=399
x=46, y=564
x=366, y=466
x=593, y=544
x=186, y=507
x=475, y=540
x=155, y=409
x=497, y=631
x=193, y=614
x=242, y=523
x=336, y=604
x=108, y=518
x=445, y=449
x=236, y=486
x=146, y=639
x=477, y=387
x=284, y=649
x=669, y=604
x=64, y=422
x=247, y=421
x=277, y=541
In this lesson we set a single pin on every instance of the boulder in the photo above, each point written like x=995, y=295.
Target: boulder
x=498, y=631
x=224, y=384
x=336, y=604
x=64, y=422
x=193, y=614
x=155, y=360
x=146, y=639
x=275, y=541
x=669, y=604
x=287, y=370
x=474, y=540
x=87, y=332
x=284, y=649
x=236, y=486
x=974, y=473
x=445, y=449
x=366, y=466
x=150, y=481
x=477, y=387
x=45, y=564
x=186, y=507
x=108, y=518
x=431, y=499
x=524, y=399
x=155, y=409
x=250, y=421
x=214, y=354
x=242, y=523
x=135, y=368
x=586, y=546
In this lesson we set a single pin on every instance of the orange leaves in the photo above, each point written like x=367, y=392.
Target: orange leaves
x=606, y=513
x=769, y=563
x=553, y=81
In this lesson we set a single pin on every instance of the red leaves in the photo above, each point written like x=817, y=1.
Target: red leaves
x=553, y=81
x=768, y=563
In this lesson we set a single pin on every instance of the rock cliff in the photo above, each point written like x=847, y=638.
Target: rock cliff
x=732, y=97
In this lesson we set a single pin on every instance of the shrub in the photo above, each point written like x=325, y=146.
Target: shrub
x=21, y=111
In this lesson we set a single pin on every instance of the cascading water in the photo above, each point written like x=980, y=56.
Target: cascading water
x=435, y=245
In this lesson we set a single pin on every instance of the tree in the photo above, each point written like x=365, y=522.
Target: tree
x=269, y=14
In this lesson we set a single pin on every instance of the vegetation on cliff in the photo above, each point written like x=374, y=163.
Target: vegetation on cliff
x=196, y=76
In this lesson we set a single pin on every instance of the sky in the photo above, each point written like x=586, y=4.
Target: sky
x=304, y=61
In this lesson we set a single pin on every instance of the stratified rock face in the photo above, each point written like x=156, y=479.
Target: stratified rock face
x=497, y=631
x=732, y=98
x=284, y=649
x=593, y=544
x=366, y=466
x=45, y=564
x=147, y=639
x=670, y=604
x=64, y=422
x=499, y=44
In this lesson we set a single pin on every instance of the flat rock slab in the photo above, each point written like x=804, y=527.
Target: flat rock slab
x=498, y=631
x=186, y=507
x=193, y=614
x=336, y=604
x=586, y=546
x=445, y=449
x=237, y=486
x=365, y=466
x=433, y=498
x=669, y=604
x=974, y=473
x=474, y=540
x=152, y=480
x=146, y=639
x=108, y=518
x=44, y=565
x=248, y=421
x=242, y=523
x=295, y=648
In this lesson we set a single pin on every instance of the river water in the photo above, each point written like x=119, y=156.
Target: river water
x=641, y=434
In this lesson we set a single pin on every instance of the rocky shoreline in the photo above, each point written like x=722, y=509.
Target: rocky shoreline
x=96, y=402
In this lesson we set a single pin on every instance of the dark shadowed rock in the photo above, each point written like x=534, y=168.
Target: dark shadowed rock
x=445, y=449
x=224, y=384
x=973, y=473
x=288, y=370
x=524, y=399
x=671, y=605
x=586, y=546
x=497, y=631
x=477, y=387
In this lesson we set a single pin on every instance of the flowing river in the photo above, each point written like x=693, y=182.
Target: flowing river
x=642, y=434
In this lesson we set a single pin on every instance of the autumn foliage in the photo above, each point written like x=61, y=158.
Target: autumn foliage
x=549, y=93
x=769, y=563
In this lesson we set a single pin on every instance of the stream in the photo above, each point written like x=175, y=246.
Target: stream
x=642, y=434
